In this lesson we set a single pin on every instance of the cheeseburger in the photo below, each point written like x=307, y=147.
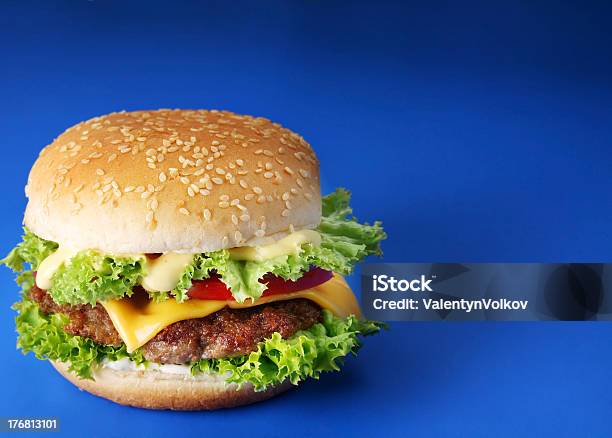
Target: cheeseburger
x=186, y=260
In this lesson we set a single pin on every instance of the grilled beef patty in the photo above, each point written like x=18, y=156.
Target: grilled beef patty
x=226, y=333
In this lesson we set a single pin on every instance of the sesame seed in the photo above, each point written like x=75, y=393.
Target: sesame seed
x=184, y=211
x=234, y=219
x=268, y=175
x=257, y=190
x=162, y=177
x=207, y=214
x=285, y=213
x=99, y=171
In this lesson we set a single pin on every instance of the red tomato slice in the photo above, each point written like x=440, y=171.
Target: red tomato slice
x=214, y=289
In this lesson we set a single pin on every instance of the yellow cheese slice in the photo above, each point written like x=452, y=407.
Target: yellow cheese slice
x=138, y=319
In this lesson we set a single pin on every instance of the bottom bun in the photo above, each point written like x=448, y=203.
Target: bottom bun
x=153, y=389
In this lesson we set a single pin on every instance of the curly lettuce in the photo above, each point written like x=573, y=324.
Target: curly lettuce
x=305, y=355
x=91, y=276
x=344, y=242
x=44, y=335
x=88, y=277
x=30, y=252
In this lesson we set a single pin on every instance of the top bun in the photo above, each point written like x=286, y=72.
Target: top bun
x=173, y=180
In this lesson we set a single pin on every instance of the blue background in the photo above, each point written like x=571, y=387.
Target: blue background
x=476, y=132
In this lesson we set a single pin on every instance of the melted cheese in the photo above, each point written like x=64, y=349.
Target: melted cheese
x=164, y=272
x=138, y=319
x=288, y=245
x=48, y=266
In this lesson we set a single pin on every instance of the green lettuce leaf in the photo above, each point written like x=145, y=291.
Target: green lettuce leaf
x=43, y=335
x=31, y=250
x=306, y=354
x=344, y=242
x=91, y=276
x=88, y=277
x=26, y=257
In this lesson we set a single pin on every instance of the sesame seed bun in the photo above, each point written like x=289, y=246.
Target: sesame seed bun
x=156, y=390
x=173, y=180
